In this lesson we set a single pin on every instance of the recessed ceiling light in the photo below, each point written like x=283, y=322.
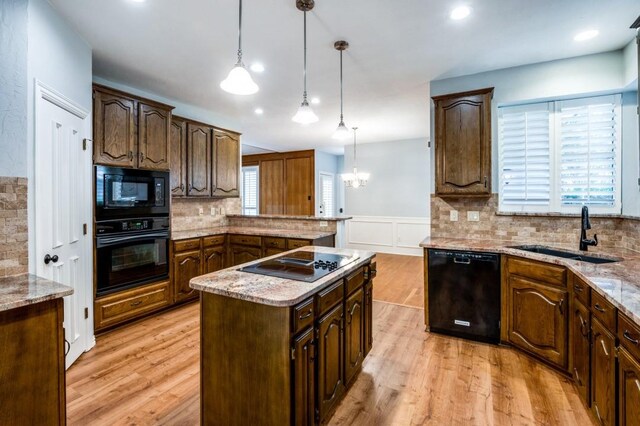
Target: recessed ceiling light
x=259, y=111
x=460, y=12
x=257, y=67
x=138, y=1
x=315, y=101
x=586, y=35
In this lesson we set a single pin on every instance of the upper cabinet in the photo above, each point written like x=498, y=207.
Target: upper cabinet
x=199, y=160
x=463, y=144
x=226, y=159
x=178, y=156
x=129, y=131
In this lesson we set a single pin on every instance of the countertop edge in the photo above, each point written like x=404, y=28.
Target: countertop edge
x=26, y=282
x=284, y=217
x=265, y=232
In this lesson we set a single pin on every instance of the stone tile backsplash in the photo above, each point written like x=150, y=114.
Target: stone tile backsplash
x=612, y=231
x=185, y=214
x=14, y=250
x=282, y=223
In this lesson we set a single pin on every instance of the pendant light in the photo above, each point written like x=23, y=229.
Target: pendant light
x=305, y=114
x=239, y=81
x=341, y=132
x=355, y=179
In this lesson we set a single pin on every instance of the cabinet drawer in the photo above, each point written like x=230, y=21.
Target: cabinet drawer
x=295, y=243
x=538, y=271
x=371, y=271
x=629, y=335
x=247, y=240
x=271, y=242
x=214, y=240
x=184, y=245
x=355, y=280
x=604, y=311
x=130, y=304
x=330, y=296
x=581, y=291
x=303, y=316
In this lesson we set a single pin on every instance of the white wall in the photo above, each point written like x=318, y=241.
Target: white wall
x=13, y=88
x=631, y=62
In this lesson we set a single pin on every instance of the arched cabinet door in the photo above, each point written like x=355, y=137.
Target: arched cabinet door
x=226, y=161
x=154, y=135
x=114, y=131
x=186, y=265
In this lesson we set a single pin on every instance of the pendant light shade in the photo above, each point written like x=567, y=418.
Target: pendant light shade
x=355, y=179
x=341, y=133
x=305, y=114
x=239, y=81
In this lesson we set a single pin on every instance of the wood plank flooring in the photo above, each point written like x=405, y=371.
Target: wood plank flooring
x=148, y=373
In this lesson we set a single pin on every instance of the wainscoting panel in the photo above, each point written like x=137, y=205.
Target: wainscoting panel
x=396, y=235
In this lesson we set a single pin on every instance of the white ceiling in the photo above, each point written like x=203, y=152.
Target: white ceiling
x=183, y=49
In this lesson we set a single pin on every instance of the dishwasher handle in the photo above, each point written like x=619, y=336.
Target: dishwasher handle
x=462, y=260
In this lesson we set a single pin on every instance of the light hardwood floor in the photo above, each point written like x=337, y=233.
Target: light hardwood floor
x=148, y=373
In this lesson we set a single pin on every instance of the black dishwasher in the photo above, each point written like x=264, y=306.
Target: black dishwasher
x=464, y=294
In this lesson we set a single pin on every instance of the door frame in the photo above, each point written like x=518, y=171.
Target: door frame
x=43, y=92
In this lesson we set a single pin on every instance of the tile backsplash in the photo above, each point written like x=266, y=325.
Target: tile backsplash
x=185, y=212
x=14, y=251
x=612, y=231
x=284, y=223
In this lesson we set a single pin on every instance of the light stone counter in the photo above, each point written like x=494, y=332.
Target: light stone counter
x=29, y=289
x=618, y=282
x=275, y=291
x=245, y=230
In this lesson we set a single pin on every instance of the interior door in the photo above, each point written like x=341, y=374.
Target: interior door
x=62, y=207
x=326, y=197
x=299, y=186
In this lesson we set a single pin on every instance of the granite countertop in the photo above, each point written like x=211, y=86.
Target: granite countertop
x=245, y=230
x=274, y=291
x=285, y=217
x=29, y=289
x=618, y=282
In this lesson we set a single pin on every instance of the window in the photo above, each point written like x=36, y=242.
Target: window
x=326, y=194
x=558, y=156
x=250, y=190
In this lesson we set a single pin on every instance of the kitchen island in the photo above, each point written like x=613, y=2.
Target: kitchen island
x=279, y=351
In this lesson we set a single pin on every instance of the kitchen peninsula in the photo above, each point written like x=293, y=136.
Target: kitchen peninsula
x=282, y=351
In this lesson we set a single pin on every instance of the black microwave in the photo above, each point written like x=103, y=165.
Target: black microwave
x=126, y=193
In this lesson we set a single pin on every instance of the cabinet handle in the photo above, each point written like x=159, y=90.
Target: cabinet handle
x=307, y=315
x=604, y=348
x=599, y=308
x=67, y=347
x=182, y=187
x=578, y=288
x=190, y=187
x=597, y=412
x=485, y=181
x=627, y=336
x=578, y=379
x=134, y=304
x=141, y=157
x=131, y=155
x=560, y=306
x=583, y=327
x=638, y=384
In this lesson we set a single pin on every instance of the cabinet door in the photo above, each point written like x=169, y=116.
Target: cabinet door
x=603, y=373
x=242, y=254
x=154, y=130
x=178, y=157
x=538, y=322
x=354, y=334
x=114, y=129
x=299, y=192
x=463, y=143
x=226, y=158
x=270, y=251
x=271, y=187
x=368, y=318
x=199, y=160
x=186, y=265
x=581, y=348
x=304, y=380
x=629, y=389
x=213, y=259
x=330, y=360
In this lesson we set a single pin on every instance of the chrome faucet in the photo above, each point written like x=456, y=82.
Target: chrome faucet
x=586, y=224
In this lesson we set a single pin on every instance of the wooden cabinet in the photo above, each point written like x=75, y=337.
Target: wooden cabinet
x=271, y=187
x=242, y=254
x=304, y=379
x=368, y=317
x=603, y=373
x=32, y=365
x=214, y=259
x=581, y=348
x=299, y=186
x=198, y=160
x=463, y=143
x=331, y=384
x=628, y=389
x=186, y=265
x=354, y=334
x=130, y=131
x=226, y=158
x=178, y=156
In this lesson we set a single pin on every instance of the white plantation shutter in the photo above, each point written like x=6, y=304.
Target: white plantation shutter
x=589, y=152
x=326, y=191
x=250, y=190
x=525, y=157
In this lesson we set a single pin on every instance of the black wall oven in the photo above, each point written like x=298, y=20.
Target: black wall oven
x=128, y=193
x=131, y=252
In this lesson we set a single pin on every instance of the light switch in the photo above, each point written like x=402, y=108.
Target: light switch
x=473, y=216
x=213, y=211
x=453, y=215
x=200, y=211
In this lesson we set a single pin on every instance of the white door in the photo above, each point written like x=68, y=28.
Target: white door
x=62, y=211
x=327, y=197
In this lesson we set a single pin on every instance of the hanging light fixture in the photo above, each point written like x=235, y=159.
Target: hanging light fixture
x=355, y=179
x=239, y=81
x=341, y=132
x=305, y=114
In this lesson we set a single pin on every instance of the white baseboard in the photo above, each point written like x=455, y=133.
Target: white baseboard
x=384, y=234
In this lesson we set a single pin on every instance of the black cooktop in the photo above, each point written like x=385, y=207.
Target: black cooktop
x=300, y=265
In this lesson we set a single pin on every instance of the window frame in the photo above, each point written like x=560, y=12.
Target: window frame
x=243, y=198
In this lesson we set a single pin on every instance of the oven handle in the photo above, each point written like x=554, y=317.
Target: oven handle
x=109, y=241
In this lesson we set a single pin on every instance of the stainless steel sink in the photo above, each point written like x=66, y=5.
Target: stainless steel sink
x=566, y=254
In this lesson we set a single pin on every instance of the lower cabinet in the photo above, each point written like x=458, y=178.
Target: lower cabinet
x=581, y=347
x=354, y=334
x=186, y=265
x=368, y=317
x=214, y=259
x=304, y=379
x=241, y=254
x=603, y=373
x=331, y=382
x=628, y=389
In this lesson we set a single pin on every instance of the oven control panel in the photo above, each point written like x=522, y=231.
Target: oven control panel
x=131, y=225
